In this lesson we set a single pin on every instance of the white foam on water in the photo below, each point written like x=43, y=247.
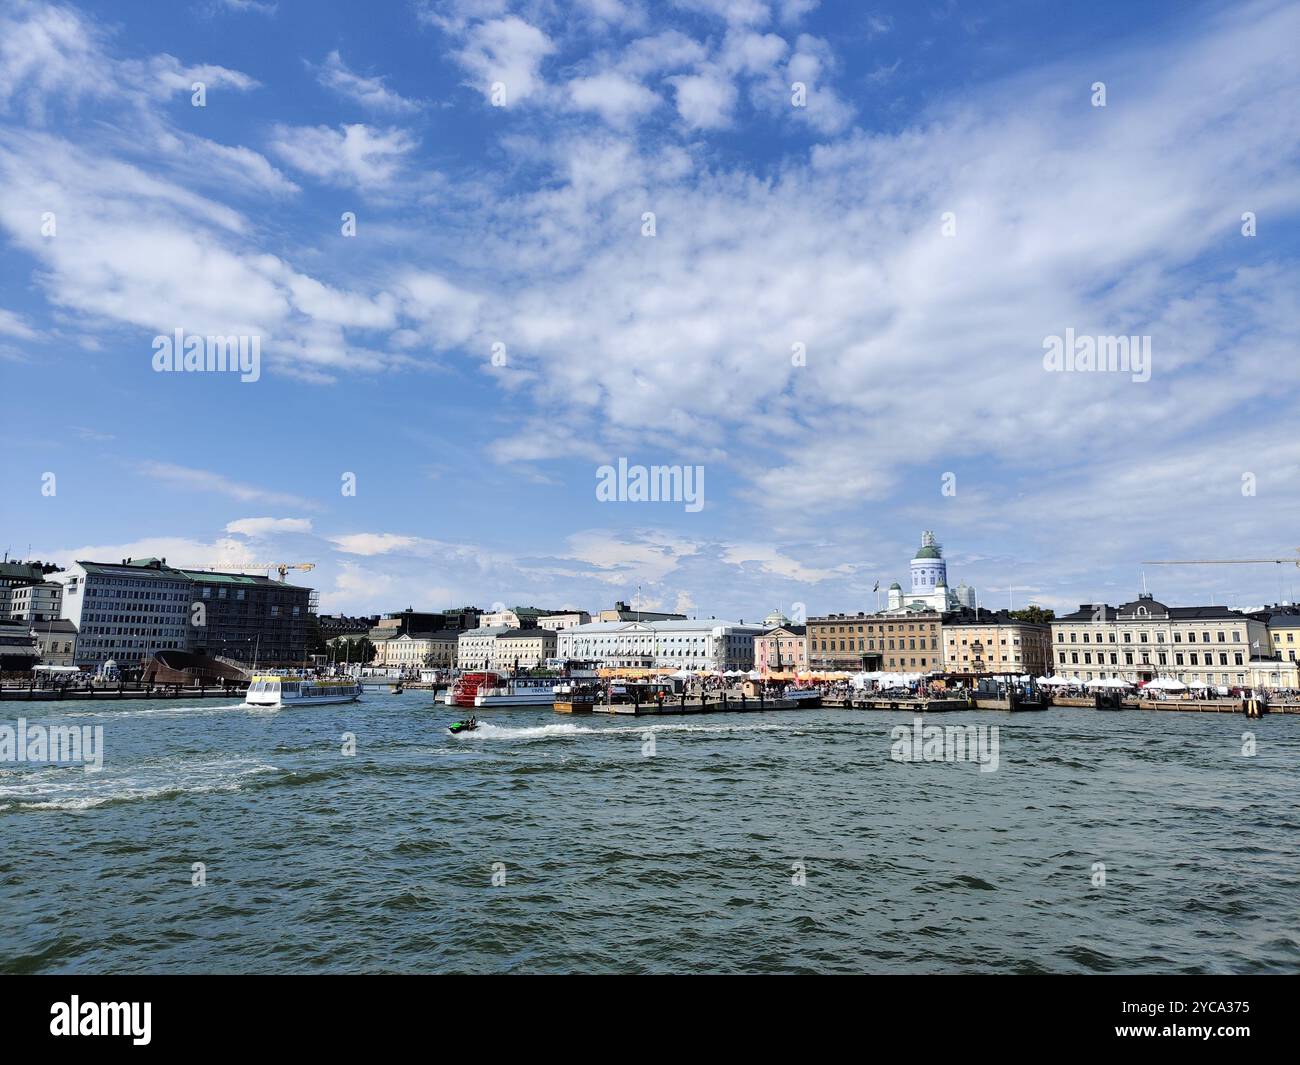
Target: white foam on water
x=72, y=788
x=171, y=711
x=488, y=731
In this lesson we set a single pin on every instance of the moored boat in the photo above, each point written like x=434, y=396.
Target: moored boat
x=492, y=688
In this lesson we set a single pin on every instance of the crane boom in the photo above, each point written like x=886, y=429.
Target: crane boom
x=1224, y=561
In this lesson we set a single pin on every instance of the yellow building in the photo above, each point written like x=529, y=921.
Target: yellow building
x=903, y=643
x=996, y=643
x=1284, y=632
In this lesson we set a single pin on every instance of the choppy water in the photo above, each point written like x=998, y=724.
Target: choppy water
x=619, y=862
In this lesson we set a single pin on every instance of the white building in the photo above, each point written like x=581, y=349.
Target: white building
x=929, y=578
x=475, y=647
x=413, y=651
x=56, y=641
x=125, y=612
x=36, y=602
x=568, y=620
x=523, y=648
x=1144, y=639
x=706, y=644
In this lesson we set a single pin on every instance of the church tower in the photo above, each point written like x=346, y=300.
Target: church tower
x=929, y=570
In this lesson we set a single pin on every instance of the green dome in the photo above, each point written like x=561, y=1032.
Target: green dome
x=928, y=552
x=896, y=585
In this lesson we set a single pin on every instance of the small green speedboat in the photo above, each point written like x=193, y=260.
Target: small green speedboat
x=457, y=727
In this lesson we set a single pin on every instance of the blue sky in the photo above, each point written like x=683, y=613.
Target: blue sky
x=775, y=225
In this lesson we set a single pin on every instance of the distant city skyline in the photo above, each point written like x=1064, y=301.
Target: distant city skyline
x=838, y=310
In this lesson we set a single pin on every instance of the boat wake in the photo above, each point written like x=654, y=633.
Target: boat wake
x=487, y=731
x=161, y=711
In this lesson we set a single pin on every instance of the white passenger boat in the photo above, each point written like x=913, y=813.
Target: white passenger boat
x=280, y=691
x=484, y=689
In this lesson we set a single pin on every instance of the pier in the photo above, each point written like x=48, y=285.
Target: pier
x=31, y=695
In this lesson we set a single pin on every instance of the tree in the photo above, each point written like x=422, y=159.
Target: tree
x=1035, y=614
x=355, y=650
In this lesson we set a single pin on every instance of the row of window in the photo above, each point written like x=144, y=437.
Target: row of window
x=1142, y=637
x=1162, y=658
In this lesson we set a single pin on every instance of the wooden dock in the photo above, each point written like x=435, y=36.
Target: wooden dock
x=25, y=695
x=920, y=706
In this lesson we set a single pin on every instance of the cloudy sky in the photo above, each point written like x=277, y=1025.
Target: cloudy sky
x=607, y=229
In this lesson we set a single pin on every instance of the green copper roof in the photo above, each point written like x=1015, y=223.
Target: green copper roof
x=928, y=552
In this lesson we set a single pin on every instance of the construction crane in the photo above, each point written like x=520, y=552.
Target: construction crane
x=282, y=568
x=1225, y=561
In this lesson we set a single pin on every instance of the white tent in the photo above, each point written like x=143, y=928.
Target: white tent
x=1108, y=682
x=1055, y=682
x=1166, y=684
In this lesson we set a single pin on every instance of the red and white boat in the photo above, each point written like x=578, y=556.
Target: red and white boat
x=484, y=689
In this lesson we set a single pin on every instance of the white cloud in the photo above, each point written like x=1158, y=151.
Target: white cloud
x=375, y=543
x=354, y=155
x=617, y=99
x=260, y=528
x=369, y=92
x=705, y=101
x=216, y=483
x=506, y=50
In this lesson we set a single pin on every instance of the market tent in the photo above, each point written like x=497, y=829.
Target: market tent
x=1165, y=684
x=1055, y=682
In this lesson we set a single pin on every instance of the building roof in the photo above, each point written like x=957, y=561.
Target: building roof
x=1284, y=621
x=203, y=576
x=789, y=630
x=927, y=552
x=525, y=634
x=1155, y=612
x=139, y=567
x=487, y=630
x=60, y=625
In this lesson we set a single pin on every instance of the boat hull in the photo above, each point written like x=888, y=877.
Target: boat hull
x=310, y=700
x=543, y=698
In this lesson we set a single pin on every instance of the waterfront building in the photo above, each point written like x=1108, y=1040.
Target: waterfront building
x=706, y=644
x=249, y=618
x=341, y=627
x=516, y=617
x=623, y=612
x=412, y=651
x=15, y=575
x=36, y=602
x=18, y=649
x=475, y=647
x=781, y=649
x=124, y=612
x=1274, y=673
x=523, y=648
x=905, y=641
x=929, y=589
x=1145, y=639
x=56, y=642
x=408, y=620
x=987, y=642
x=567, y=620
x=617, y=644
x=1284, y=636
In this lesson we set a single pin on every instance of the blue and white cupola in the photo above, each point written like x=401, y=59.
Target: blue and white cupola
x=929, y=571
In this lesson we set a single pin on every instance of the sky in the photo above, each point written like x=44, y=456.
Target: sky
x=816, y=251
